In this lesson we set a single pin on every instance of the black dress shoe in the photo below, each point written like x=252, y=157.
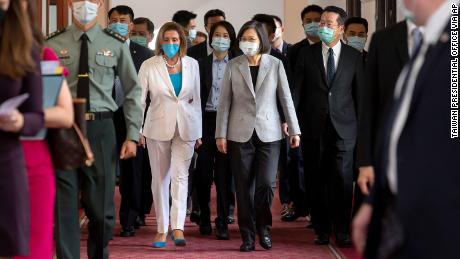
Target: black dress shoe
x=265, y=242
x=343, y=240
x=230, y=220
x=222, y=233
x=140, y=221
x=205, y=229
x=247, y=247
x=127, y=232
x=322, y=239
x=195, y=217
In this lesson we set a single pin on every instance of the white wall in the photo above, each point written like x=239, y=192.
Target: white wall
x=237, y=11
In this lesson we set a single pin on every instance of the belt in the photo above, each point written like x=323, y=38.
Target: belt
x=91, y=116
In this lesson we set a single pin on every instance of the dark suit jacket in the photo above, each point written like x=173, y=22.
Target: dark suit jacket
x=139, y=54
x=388, y=52
x=427, y=203
x=286, y=47
x=316, y=100
x=294, y=50
x=198, y=51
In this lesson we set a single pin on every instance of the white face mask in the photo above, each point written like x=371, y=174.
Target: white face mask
x=192, y=34
x=85, y=11
x=249, y=48
x=408, y=14
x=277, y=34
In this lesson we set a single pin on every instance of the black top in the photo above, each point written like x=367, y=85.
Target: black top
x=254, y=73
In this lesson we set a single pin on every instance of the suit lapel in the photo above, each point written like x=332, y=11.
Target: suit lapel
x=185, y=83
x=165, y=75
x=401, y=45
x=343, y=58
x=318, y=53
x=244, y=69
x=263, y=70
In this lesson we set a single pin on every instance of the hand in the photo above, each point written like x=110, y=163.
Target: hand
x=285, y=128
x=222, y=145
x=360, y=227
x=198, y=143
x=141, y=141
x=294, y=141
x=13, y=122
x=366, y=178
x=128, y=149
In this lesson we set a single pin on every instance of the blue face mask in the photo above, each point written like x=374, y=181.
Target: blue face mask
x=311, y=29
x=170, y=49
x=120, y=28
x=356, y=42
x=141, y=40
x=326, y=34
x=220, y=44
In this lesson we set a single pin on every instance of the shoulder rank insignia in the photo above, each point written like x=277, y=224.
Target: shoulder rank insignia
x=56, y=33
x=114, y=35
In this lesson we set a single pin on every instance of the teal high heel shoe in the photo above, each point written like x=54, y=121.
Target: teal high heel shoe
x=160, y=244
x=178, y=241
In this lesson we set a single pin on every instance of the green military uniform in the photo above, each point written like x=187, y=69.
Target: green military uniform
x=108, y=56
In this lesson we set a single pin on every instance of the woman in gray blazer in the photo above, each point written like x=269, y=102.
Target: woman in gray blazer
x=248, y=121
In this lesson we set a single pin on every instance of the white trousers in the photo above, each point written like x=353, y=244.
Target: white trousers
x=169, y=162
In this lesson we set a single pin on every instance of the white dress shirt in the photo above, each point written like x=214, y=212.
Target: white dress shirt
x=433, y=30
x=337, y=49
x=210, y=50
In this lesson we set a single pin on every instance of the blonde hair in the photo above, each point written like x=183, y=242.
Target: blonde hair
x=171, y=26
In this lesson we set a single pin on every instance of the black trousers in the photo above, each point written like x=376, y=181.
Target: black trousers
x=291, y=177
x=146, y=185
x=130, y=176
x=329, y=161
x=213, y=166
x=254, y=165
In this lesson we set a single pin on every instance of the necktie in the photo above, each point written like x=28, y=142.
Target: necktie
x=330, y=67
x=83, y=70
x=417, y=39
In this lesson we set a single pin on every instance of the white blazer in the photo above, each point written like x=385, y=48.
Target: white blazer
x=166, y=109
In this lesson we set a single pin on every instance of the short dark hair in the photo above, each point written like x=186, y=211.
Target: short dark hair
x=357, y=20
x=267, y=20
x=264, y=46
x=201, y=34
x=124, y=10
x=213, y=13
x=183, y=17
x=278, y=19
x=311, y=8
x=228, y=27
x=342, y=14
x=142, y=20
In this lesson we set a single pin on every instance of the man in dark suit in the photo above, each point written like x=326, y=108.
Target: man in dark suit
x=329, y=78
x=382, y=71
x=356, y=29
x=310, y=16
x=278, y=42
x=121, y=20
x=203, y=49
x=416, y=153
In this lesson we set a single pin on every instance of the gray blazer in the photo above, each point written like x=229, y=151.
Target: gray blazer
x=242, y=110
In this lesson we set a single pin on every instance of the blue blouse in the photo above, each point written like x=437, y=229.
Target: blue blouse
x=176, y=80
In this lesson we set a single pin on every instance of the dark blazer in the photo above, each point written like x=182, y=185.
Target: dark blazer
x=286, y=47
x=198, y=51
x=206, y=76
x=388, y=52
x=316, y=100
x=139, y=54
x=294, y=50
x=428, y=169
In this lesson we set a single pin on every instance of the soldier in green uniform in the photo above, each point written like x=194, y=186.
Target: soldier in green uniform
x=94, y=56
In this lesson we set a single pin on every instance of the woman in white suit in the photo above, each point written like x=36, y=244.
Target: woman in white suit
x=172, y=127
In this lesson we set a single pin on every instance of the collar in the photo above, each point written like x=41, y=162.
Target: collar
x=128, y=42
x=436, y=23
x=91, y=33
x=280, y=47
x=214, y=58
x=336, y=48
